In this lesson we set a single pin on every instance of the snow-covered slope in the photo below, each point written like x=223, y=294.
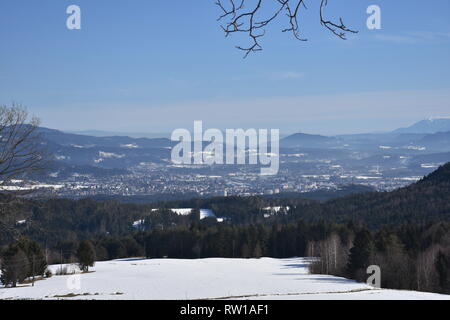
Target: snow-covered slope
x=204, y=279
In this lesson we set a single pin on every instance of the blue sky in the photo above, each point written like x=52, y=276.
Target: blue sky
x=153, y=66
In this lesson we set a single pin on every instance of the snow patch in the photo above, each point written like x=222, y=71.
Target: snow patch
x=107, y=155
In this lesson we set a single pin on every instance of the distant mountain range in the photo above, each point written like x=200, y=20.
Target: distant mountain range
x=423, y=142
x=427, y=126
x=84, y=141
x=100, y=133
x=100, y=156
x=435, y=142
x=432, y=134
x=307, y=140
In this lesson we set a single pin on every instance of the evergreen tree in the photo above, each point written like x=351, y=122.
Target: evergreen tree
x=257, y=252
x=443, y=270
x=360, y=253
x=15, y=266
x=86, y=255
x=390, y=256
x=35, y=255
x=115, y=248
x=195, y=215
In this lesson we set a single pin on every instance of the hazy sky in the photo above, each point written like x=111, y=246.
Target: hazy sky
x=157, y=65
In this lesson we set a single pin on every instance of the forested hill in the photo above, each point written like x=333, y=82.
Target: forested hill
x=428, y=200
x=425, y=201
x=441, y=176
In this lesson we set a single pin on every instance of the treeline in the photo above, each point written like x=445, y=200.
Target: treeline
x=21, y=260
x=411, y=256
x=53, y=220
x=25, y=259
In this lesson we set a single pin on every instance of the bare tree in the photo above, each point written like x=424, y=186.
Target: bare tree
x=426, y=275
x=21, y=149
x=245, y=16
x=21, y=153
x=332, y=256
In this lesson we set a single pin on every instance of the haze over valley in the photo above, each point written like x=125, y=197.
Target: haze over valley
x=141, y=168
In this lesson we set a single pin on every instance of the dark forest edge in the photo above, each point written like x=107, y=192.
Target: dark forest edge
x=406, y=232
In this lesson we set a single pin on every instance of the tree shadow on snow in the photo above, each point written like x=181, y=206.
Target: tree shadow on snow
x=330, y=279
x=296, y=266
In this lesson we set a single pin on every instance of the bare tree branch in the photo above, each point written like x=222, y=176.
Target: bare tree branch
x=21, y=149
x=244, y=16
x=337, y=29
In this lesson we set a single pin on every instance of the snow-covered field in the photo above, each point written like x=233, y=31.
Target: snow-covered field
x=176, y=279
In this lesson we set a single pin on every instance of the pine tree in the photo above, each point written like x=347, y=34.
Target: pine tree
x=35, y=255
x=257, y=252
x=86, y=255
x=360, y=253
x=15, y=266
x=195, y=215
x=443, y=269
